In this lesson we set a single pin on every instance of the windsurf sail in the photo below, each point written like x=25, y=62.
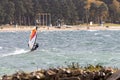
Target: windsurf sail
x=32, y=38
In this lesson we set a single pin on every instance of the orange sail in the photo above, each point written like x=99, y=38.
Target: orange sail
x=32, y=39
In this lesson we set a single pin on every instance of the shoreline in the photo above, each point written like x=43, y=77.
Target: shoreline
x=53, y=28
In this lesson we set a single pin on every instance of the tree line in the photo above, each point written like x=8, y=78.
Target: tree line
x=24, y=12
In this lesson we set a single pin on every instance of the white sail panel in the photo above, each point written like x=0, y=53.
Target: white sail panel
x=32, y=38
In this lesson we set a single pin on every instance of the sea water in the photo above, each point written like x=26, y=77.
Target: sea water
x=58, y=49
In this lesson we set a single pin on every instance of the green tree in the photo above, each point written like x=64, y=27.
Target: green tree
x=28, y=16
x=2, y=14
x=103, y=9
x=9, y=11
x=19, y=11
x=70, y=13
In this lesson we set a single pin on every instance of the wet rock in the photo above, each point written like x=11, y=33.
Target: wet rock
x=50, y=72
x=4, y=77
x=115, y=76
x=70, y=78
x=76, y=72
x=39, y=76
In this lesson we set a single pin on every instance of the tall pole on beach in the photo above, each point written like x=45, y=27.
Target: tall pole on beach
x=87, y=16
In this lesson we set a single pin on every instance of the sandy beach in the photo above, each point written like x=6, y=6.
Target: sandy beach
x=54, y=28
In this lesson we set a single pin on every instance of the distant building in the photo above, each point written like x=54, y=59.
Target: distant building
x=43, y=19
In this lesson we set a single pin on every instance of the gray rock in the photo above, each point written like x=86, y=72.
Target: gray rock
x=115, y=76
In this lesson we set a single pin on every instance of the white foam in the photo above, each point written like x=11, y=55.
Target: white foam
x=16, y=52
x=1, y=47
x=96, y=34
x=107, y=35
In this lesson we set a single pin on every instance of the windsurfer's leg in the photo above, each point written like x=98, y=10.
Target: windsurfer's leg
x=37, y=44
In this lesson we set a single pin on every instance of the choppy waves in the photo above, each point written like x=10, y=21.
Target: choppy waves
x=57, y=47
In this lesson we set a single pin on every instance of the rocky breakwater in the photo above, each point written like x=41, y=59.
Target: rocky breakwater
x=72, y=72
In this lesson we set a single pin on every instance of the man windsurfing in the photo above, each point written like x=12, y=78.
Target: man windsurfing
x=32, y=40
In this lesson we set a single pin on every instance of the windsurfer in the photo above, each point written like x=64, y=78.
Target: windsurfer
x=32, y=41
x=35, y=46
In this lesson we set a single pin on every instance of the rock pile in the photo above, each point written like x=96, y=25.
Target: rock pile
x=70, y=73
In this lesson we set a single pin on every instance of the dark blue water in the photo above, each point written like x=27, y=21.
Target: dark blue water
x=58, y=48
